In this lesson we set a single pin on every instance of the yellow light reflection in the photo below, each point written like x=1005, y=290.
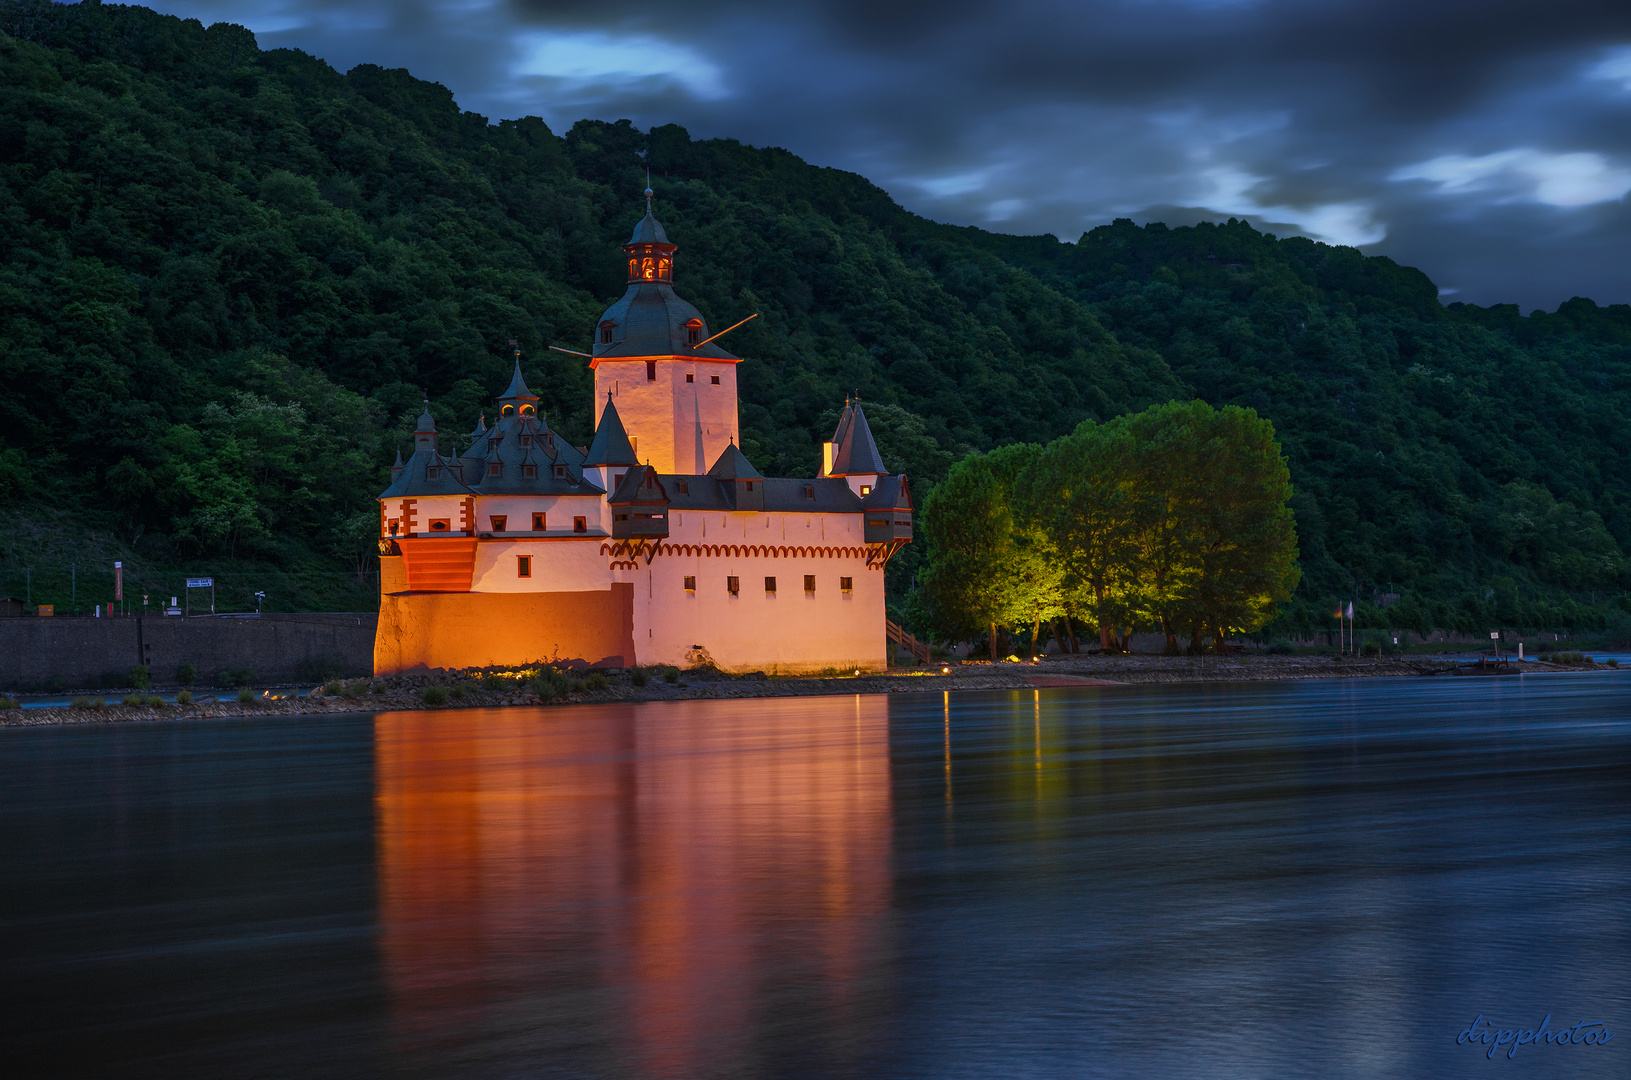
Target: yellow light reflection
x=634, y=871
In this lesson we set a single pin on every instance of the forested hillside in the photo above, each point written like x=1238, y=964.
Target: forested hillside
x=228, y=276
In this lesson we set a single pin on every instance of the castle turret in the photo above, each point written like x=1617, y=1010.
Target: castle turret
x=675, y=389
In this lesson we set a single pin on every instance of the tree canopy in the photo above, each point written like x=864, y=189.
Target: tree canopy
x=229, y=275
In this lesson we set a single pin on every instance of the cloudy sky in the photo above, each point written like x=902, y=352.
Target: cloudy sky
x=1486, y=141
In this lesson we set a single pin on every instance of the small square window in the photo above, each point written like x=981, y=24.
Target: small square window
x=866, y=489
x=498, y=521
x=846, y=584
x=733, y=585
x=690, y=376
x=690, y=584
x=432, y=472
x=750, y=485
x=809, y=583
x=529, y=472
x=560, y=472
x=580, y=524
x=494, y=468
x=617, y=480
x=716, y=380
x=523, y=566
x=540, y=522
x=770, y=584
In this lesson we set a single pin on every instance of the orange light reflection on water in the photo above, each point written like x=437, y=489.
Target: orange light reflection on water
x=638, y=882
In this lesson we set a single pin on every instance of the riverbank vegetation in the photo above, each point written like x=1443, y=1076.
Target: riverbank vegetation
x=228, y=275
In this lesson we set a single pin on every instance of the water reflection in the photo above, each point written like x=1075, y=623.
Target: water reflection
x=669, y=890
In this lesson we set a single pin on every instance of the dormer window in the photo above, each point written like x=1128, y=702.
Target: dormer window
x=432, y=472
x=617, y=480
x=684, y=486
x=693, y=331
x=750, y=485
x=608, y=326
x=809, y=491
x=529, y=472
x=560, y=472
x=526, y=440
x=494, y=469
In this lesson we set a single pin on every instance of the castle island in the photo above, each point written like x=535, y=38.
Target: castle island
x=659, y=542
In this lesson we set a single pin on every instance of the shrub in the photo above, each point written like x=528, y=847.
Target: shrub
x=1371, y=648
x=1281, y=648
x=235, y=676
x=1611, y=662
x=459, y=691
x=134, y=699
x=139, y=677
x=1568, y=658
x=246, y=694
x=9, y=702
x=377, y=688
x=639, y=676
x=86, y=703
x=671, y=675
x=185, y=697
x=495, y=684
x=597, y=681
x=322, y=668
x=434, y=695
x=186, y=674
x=332, y=687
x=550, y=684
x=353, y=689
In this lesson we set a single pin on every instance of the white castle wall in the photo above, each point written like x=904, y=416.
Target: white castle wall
x=661, y=416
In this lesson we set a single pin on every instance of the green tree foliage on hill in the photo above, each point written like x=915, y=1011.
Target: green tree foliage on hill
x=228, y=276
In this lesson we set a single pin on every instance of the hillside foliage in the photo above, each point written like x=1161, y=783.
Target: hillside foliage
x=229, y=275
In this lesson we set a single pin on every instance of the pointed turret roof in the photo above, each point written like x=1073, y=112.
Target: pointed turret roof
x=427, y=422
x=854, y=451
x=734, y=465
x=517, y=394
x=611, y=444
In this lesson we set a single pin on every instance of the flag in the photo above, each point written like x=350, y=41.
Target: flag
x=1350, y=609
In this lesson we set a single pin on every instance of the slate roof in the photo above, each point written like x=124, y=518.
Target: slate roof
x=889, y=491
x=610, y=445
x=415, y=480
x=734, y=465
x=649, y=230
x=640, y=486
x=854, y=452
x=650, y=321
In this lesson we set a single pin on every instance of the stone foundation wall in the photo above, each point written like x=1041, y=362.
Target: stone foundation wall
x=80, y=653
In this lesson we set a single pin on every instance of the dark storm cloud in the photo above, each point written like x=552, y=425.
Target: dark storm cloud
x=1486, y=142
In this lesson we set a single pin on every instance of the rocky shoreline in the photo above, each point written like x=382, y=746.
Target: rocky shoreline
x=471, y=691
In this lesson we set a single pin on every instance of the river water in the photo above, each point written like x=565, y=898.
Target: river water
x=1321, y=879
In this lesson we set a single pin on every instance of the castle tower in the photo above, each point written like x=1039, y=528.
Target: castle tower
x=676, y=396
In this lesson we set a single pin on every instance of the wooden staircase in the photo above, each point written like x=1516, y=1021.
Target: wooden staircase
x=439, y=564
x=899, y=635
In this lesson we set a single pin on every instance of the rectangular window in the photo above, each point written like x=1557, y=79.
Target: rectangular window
x=770, y=584
x=866, y=489
x=809, y=583
x=684, y=486
x=750, y=485
x=560, y=472
x=809, y=491
x=733, y=585
x=690, y=376
x=539, y=523
x=498, y=521
x=494, y=468
x=529, y=472
x=690, y=584
x=651, y=371
x=617, y=480
x=846, y=584
x=716, y=380
x=523, y=566
x=432, y=472
x=580, y=524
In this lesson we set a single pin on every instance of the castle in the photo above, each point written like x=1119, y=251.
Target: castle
x=659, y=542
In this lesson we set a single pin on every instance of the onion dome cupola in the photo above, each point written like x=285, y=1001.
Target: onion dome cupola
x=650, y=319
x=424, y=435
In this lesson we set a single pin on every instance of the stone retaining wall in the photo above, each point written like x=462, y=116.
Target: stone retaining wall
x=78, y=653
